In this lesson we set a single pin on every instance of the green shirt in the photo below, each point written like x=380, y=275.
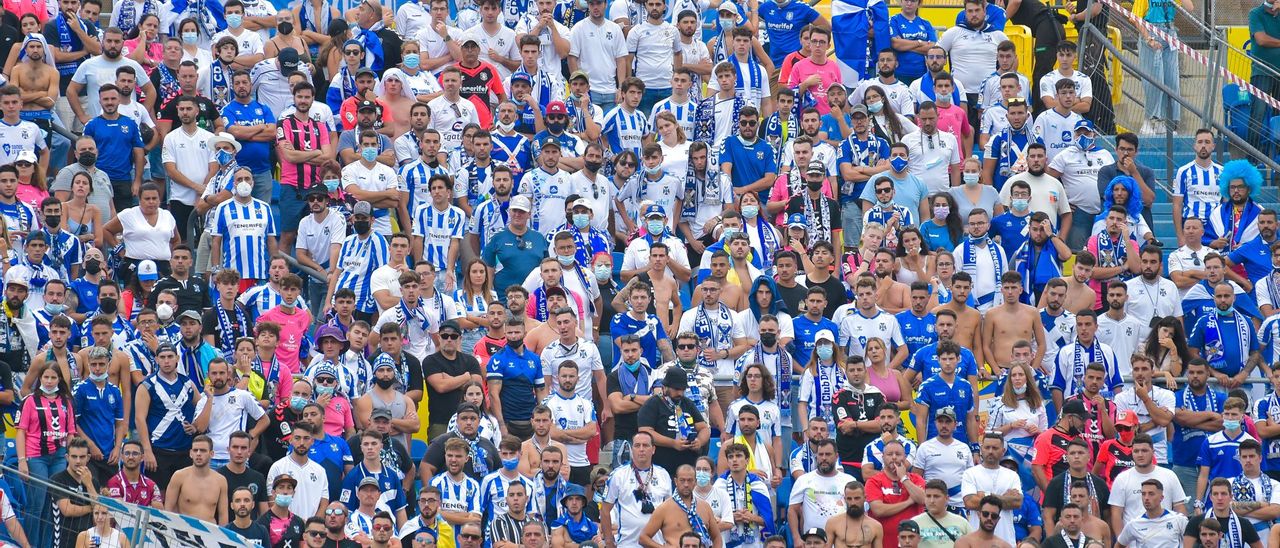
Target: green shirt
x=933, y=536
x=1262, y=20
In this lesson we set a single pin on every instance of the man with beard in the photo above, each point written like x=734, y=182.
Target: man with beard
x=483, y=456
x=207, y=116
x=488, y=218
x=934, y=156
x=242, y=523
x=305, y=146
x=1153, y=296
x=1254, y=255
x=869, y=531
x=822, y=212
x=197, y=490
x=968, y=318
x=1128, y=492
x=674, y=422
x=1058, y=491
x=98, y=71
x=989, y=479
x=254, y=127
x=924, y=363
x=284, y=527
x=1226, y=339
x=1196, y=191
x=1051, y=446
x=635, y=489
x=428, y=519
x=748, y=161
x=574, y=418
x=1070, y=362
x=130, y=484
x=1236, y=530
x=856, y=407
x=1011, y=321
x=873, y=455
x=335, y=521
x=120, y=142
x=682, y=513
x=1047, y=194
x=311, y=496
x=983, y=259
x=899, y=494
x=1155, y=525
x=818, y=495
x=230, y=409
x=320, y=237
x=985, y=536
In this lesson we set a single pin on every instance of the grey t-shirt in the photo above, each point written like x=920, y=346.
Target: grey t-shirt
x=101, y=195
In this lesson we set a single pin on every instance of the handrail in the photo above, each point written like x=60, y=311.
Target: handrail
x=293, y=263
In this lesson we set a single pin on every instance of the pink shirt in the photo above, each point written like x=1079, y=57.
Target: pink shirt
x=955, y=120
x=830, y=73
x=337, y=417
x=48, y=424
x=31, y=195
x=293, y=327
x=782, y=193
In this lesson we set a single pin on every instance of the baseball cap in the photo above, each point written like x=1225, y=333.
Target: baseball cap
x=469, y=408
x=579, y=74
x=733, y=8
x=1075, y=407
x=1126, y=418
x=147, y=271
x=366, y=105
x=318, y=190
x=816, y=167
x=380, y=413
x=824, y=335
x=812, y=531
x=163, y=347
x=654, y=210
x=367, y=482
x=908, y=526
x=549, y=141
x=580, y=202
x=521, y=202
x=676, y=378
x=283, y=478
x=18, y=276
x=449, y=325
x=947, y=412
x=26, y=156
x=288, y=60
x=469, y=40
x=366, y=70
x=797, y=219
x=858, y=109
x=362, y=208
x=521, y=76
x=1084, y=124
x=190, y=315
x=556, y=107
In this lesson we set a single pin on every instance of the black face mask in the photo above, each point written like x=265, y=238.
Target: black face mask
x=361, y=227
x=87, y=159
x=93, y=266
x=285, y=27
x=814, y=186
x=384, y=383
x=515, y=344
x=768, y=339
x=107, y=305
x=854, y=512
x=593, y=166
x=52, y=220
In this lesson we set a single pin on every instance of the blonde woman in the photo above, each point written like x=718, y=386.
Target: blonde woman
x=102, y=534
x=674, y=143
x=889, y=380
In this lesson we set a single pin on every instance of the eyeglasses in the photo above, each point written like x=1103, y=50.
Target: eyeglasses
x=987, y=514
x=626, y=164
x=315, y=534
x=385, y=527
x=131, y=453
x=686, y=347
x=469, y=536
x=449, y=336
x=335, y=512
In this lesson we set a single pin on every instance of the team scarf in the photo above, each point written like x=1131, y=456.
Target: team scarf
x=169, y=87
x=72, y=366
x=1242, y=489
x=714, y=334
x=1079, y=361
x=704, y=187
x=1215, y=347
x=781, y=378
x=219, y=90
x=695, y=521
x=1010, y=152
x=1111, y=252
x=768, y=238
x=704, y=121
x=348, y=81
x=817, y=215
x=969, y=253
x=778, y=132
x=227, y=333
x=746, y=84
x=1273, y=286
x=754, y=493
x=1088, y=480
x=69, y=41
x=48, y=52
x=1037, y=264
x=630, y=381
x=479, y=457
x=864, y=153
x=418, y=314
x=829, y=380
x=209, y=15
x=126, y=18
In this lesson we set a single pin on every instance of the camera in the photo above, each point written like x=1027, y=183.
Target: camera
x=646, y=505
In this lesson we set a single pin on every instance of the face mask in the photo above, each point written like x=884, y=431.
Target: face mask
x=632, y=367
x=107, y=305
x=1020, y=204
x=224, y=157
x=971, y=178
x=298, y=402
x=87, y=159
x=369, y=154
x=1020, y=390
x=331, y=184
x=652, y=170
x=655, y=227
x=727, y=232
x=704, y=478
x=592, y=166
x=505, y=127
x=190, y=38
x=511, y=464
x=361, y=227
x=898, y=164
x=93, y=266
x=1222, y=312
x=854, y=512
x=555, y=127
x=750, y=211
x=727, y=23
x=516, y=344
x=384, y=383
x=941, y=212
x=234, y=20
x=875, y=107
x=813, y=186
x=99, y=378
x=1073, y=431
x=944, y=100
x=581, y=220
x=565, y=260
x=324, y=390
x=164, y=311
x=286, y=27
x=1230, y=425
x=1126, y=436
x=53, y=220
x=1084, y=142
x=411, y=60
x=283, y=500
x=51, y=391
x=825, y=352
x=603, y=272
x=768, y=339
x=243, y=190
x=54, y=309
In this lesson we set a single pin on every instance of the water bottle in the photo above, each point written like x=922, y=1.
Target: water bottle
x=95, y=541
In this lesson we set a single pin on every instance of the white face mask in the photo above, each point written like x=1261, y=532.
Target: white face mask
x=243, y=190
x=164, y=311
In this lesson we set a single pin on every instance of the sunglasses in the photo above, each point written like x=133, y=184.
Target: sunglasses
x=315, y=534
x=686, y=346
x=326, y=380
x=987, y=514
x=745, y=123
x=626, y=164
x=884, y=190
x=317, y=198
x=449, y=336
x=384, y=527
x=469, y=536
x=352, y=52
x=335, y=512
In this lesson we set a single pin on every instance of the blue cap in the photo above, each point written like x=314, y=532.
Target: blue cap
x=654, y=209
x=572, y=490
x=1085, y=124
x=797, y=219
x=521, y=75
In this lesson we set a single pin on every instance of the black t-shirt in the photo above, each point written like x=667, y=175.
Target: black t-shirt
x=435, y=456
x=1053, y=495
x=206, y=120
x=442, y=405
x=213, y=324
x=254, y=480
x=607, y=292
x=393, y=455
x=65, y=529
x=863, y=408
x=292, y=537
x=1030, y=12
x=832, y=220
x=255, y=533
x=836, y=296
x=275, y=440
x=53, y=38
x=1248, y=533
x=416, y=379
x=624, y=424
x=661, y=416
x=10, y=36
x=793, y=297
x=192, y=294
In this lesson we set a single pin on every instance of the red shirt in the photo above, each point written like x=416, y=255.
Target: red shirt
x=143, y=493
x=347, y=113
x=1114, y=458
x=888, y=491
x=481, y=85
x=1050, y=450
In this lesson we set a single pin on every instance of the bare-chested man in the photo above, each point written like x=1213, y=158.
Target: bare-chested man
x=672, y=519
x=732, y=295
x=517, y=303
x=1079, y=295
x=739, y=246
x=1009, y=322
x=985, y=537
x=663, y=296
x=197, y=490
x=1092, y=526
x=968, y=319
x=531, y=449
x=58, y=351
x=37, y=78
x=853, y=529
x=542, y=335
x=892, y=295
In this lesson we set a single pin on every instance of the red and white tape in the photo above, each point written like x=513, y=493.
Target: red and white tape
x=1174, y=43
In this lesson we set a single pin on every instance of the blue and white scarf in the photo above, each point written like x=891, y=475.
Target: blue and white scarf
x=1215, y=345
x=781, y=380
x=126, y=19
x=68, y=41
x=219, y=83
x=969, y=252
x=698, y=190
x=227, y=334
x=1037, y=265
x=418, y=314
x=715, y=335
x=1112, y=253
x=704, y=120
x=695, y=521
x=768, y=239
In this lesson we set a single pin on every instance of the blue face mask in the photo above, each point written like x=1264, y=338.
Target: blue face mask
x=652, y=170
x=369, y=154
x=1230, y=425
x=332, y=184
x=1084, y=142
x=283, y=500
x=703, y=478
x=411, y=60
x=898, y=163
x=632, y=367
x=1222, y=312
x=234, y=20
x=825, y=352
x=581, y=220
x=566, y=260
x=511, y=464
x=324, y=390
x=190, y=38
x=224, y=157
x=655, y=227
x=750, y=211
x=54, y=308
x=298, y=402
x=602, y=272
x=1021, y=204
x=98, y=378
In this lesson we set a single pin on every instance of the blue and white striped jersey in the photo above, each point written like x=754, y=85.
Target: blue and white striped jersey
x=414, y=177
x=471, y=181
x=684, y=113
x=493, y=493
x=487, y=220
x=244, y=229
x=1198, y=187
x=457, y=496
x=357, y=259
x=438, y=230
x=261, y=298
x=625, y=131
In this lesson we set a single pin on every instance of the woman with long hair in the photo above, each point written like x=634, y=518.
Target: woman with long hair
x=246, y=377
x=79, y=216
x=45, y=427
x=945, y=227
x=474, y=394
x=915, y=262
x=189, y=32
x=862, y=259
x=891, y=382
x=1019, y=414
x=32, y=189
x=473, y=300
x=755, y=387
x=1167, y=346
x=765, y=240
x=330, y=56
x=675, y=144
x=144, y=44
x=886, y=123
x=103, y=534
x=823, y=377
x=134, y=297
